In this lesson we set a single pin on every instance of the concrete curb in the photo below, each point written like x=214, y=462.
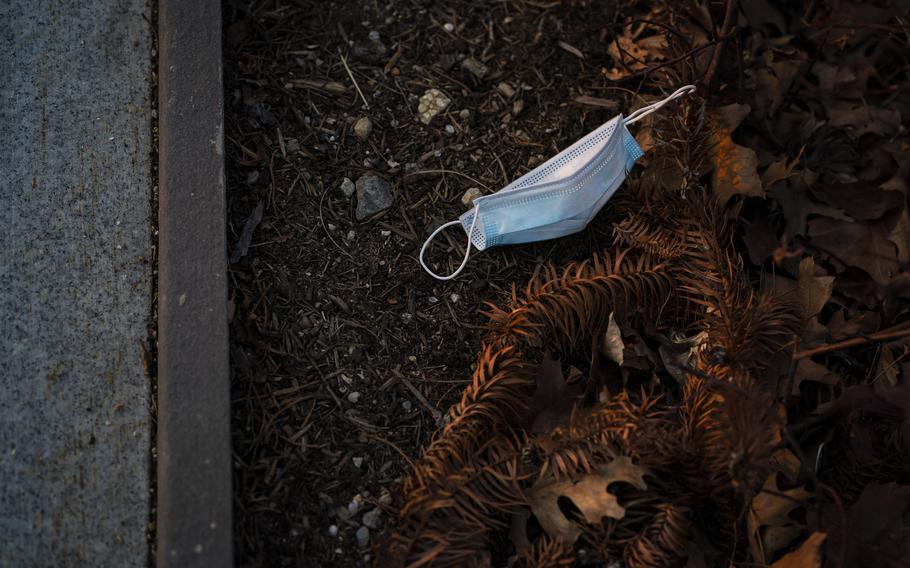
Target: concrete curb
x=194, y=442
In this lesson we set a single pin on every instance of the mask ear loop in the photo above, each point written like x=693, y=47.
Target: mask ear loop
x=648, y=109
x=467, y=251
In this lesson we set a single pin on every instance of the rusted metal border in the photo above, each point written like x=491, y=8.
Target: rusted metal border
x=194, y=442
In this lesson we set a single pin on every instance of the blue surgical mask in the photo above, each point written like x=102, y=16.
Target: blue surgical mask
x=559, y=197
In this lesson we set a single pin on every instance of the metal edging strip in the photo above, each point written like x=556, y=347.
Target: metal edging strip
x=194, y=526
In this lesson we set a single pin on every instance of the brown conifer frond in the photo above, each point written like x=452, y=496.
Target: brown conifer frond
x=621, y=426
x=546, y=553
x=662, y=542
x=448, y=514
x=561, y=310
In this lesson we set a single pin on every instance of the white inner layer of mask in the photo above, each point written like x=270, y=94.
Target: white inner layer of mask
x=569, y=161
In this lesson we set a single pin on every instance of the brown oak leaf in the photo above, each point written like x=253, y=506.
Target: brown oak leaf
x=735, y=167
x=864, y=245
x=589, y=494
x=808, y=555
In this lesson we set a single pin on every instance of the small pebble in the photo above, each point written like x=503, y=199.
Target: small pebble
x=354, y=505
x=450, y=129
x=385, y=497
x=432, y=103
x=348, y=187
x=374, y=35
x=362, y=128
x=292, y=145
x=432, y=299
x=333, y=531
x=475, y=67
x=357, y=460
x=371, y=519
x=363, y=536
x=506, y=89
x=455, y=297
x=464, y=114
x=385, y=233
x=351, y=235
x=353, y=397
x=373, y=196
x=406, y=405
x=470, y=195
x=448, y=27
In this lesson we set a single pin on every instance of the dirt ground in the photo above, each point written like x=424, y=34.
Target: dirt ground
x=346, y=354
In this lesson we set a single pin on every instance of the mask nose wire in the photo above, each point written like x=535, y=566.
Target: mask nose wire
x=648, y=109
x=467, y=250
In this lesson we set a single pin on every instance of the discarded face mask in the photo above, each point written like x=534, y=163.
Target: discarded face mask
x=559, y=197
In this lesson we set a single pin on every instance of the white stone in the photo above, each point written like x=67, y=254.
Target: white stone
x=470, y=195
x=432, y=103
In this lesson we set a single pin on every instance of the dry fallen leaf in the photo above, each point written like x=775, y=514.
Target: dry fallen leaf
x=613, y=346
x=632, y=53
x=808, y=555
x=877, y=530
x=809, y=370
x=863, y=119
x=864, y=245
x=589, y=494
x=771, y=529
x=735, y=167
x=813, y=288
x=553, y=398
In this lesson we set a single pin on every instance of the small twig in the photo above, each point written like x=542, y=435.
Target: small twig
x=725, y=30
x=894, y=332
x=344, y=62
x=436, y=414
x=466, y=176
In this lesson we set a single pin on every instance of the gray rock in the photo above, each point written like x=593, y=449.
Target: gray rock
x=362, y=128
x=347, y=187
x=373, y=196
x=372, y=519
x=363, y=537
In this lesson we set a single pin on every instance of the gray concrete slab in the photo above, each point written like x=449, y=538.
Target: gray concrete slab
x=75, y=282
